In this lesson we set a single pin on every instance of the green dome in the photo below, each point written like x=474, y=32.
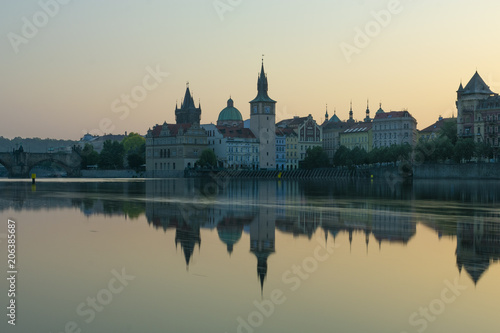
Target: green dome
x=230, y=113
x=380, y=110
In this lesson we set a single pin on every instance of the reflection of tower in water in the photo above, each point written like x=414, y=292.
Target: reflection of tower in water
x=478, y=243
x=262, y=229
x=187, y=236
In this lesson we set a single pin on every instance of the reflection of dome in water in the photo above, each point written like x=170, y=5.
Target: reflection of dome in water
x=229, y=234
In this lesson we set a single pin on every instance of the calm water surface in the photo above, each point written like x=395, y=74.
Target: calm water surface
x=253, y=256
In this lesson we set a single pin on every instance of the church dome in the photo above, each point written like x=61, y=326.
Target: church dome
x=230, y=113
x=229, y=235
x=230, y=116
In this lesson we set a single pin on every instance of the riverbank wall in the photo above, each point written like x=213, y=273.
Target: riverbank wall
x=111, y=174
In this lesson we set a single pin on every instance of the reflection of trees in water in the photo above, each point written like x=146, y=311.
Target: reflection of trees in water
x=466, y=191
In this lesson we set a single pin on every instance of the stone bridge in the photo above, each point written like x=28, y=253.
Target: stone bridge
x=19, y=164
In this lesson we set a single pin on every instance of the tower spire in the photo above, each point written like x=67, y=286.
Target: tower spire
x=367, y=118
x=351, y=119
x=326, y=114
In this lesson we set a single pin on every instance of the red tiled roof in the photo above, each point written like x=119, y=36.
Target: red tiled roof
x=296, y=121
x=237, y=132
x=392, y=114
x=437, y=125
x=174, y=129
x=285, y=131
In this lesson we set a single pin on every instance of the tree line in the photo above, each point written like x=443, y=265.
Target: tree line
x=113, y=155
x=446, y=147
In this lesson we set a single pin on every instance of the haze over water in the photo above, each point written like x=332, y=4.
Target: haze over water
x=341, y=256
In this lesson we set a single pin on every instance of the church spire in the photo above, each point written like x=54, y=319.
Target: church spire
x=262, y=87
x=367, y=118
x=351, y=118
x=326, y=114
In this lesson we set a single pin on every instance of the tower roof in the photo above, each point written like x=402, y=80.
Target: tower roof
x=477, y=85
x=262, y=86
x=188, y=99
x=334, y=118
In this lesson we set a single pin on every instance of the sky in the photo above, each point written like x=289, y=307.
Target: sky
x=69, y=67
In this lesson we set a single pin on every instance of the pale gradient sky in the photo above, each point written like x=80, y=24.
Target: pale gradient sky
x=63, y=81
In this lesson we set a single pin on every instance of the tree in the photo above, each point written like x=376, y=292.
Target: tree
x=111, y=156
x=340, y=156
x=316, y=158
x=89, y=156
x=449, y=130
x=133, y=142
x=483, y=150
x=464, y=150
x=207, y=159
x=137, y=158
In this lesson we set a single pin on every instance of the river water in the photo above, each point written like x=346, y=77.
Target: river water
x=179, y=255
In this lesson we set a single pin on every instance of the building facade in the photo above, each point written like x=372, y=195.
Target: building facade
x=171, y=148
x=310, y=136
x=262, y=123
x=291, y=143
x=394, y=128
x=358, y=135
x=433, y=131
x=478, y=115
x=331, y=134
x=235, y=146
x=280, y=149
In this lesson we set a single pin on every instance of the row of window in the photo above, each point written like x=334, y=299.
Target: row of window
x=355, y=140
x=381, y=127
x=389, y=135
x=165, y=166
x=244, y=158
x=244, y=150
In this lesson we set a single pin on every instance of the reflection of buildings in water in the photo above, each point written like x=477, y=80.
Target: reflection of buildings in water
x=262, y=230
x=393, y=225
x=187, y=236
x=228, y=208
x=262, y=239
x=478, y=243
x=300, y=222
x=230, y=229
x=386, y=223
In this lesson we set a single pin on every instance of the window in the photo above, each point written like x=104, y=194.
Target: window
x=173, y=166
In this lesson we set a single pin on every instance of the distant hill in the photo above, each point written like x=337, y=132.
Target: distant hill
x=34, y=145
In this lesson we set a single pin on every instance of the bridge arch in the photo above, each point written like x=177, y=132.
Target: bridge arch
x=70, y=171
x=19, y=164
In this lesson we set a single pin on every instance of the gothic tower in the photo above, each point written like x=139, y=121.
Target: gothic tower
x=263, y=121
x=188, y=113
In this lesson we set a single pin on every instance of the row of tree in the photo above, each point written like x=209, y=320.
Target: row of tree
x=113, y=154
x=445, y=147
